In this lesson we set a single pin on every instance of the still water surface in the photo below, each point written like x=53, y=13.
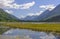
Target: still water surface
x=28, y=34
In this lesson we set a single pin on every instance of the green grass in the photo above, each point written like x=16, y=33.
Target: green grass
x=46, y=27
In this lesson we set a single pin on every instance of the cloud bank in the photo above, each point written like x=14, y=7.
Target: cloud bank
x=35, y=14
x=9, y=11
x=47, y=7
x=12, y=4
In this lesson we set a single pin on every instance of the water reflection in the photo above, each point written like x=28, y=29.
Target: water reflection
x=14, y=37
x=29, y=34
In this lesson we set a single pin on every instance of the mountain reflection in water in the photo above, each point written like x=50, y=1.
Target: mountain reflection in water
x=27, y=34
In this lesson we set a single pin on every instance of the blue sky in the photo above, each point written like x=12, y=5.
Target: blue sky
x=23, y=8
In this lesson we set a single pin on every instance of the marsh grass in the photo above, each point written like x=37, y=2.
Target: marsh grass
x=46, y=27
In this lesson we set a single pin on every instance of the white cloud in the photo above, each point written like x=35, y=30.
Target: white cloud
x=12, y=4
x=31, y=14
x=16, y=6
x=48, y=36
x=9, y=11
x=49, y=7
x=27, y=37
x=6, y=3
x=21, y=16
x=27, y=5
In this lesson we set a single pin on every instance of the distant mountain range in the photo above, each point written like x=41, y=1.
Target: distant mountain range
x=54, y=15
x=53, y=19
x=29, y=18
x=5, y=17
x=46, y=16
x=37, y=18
